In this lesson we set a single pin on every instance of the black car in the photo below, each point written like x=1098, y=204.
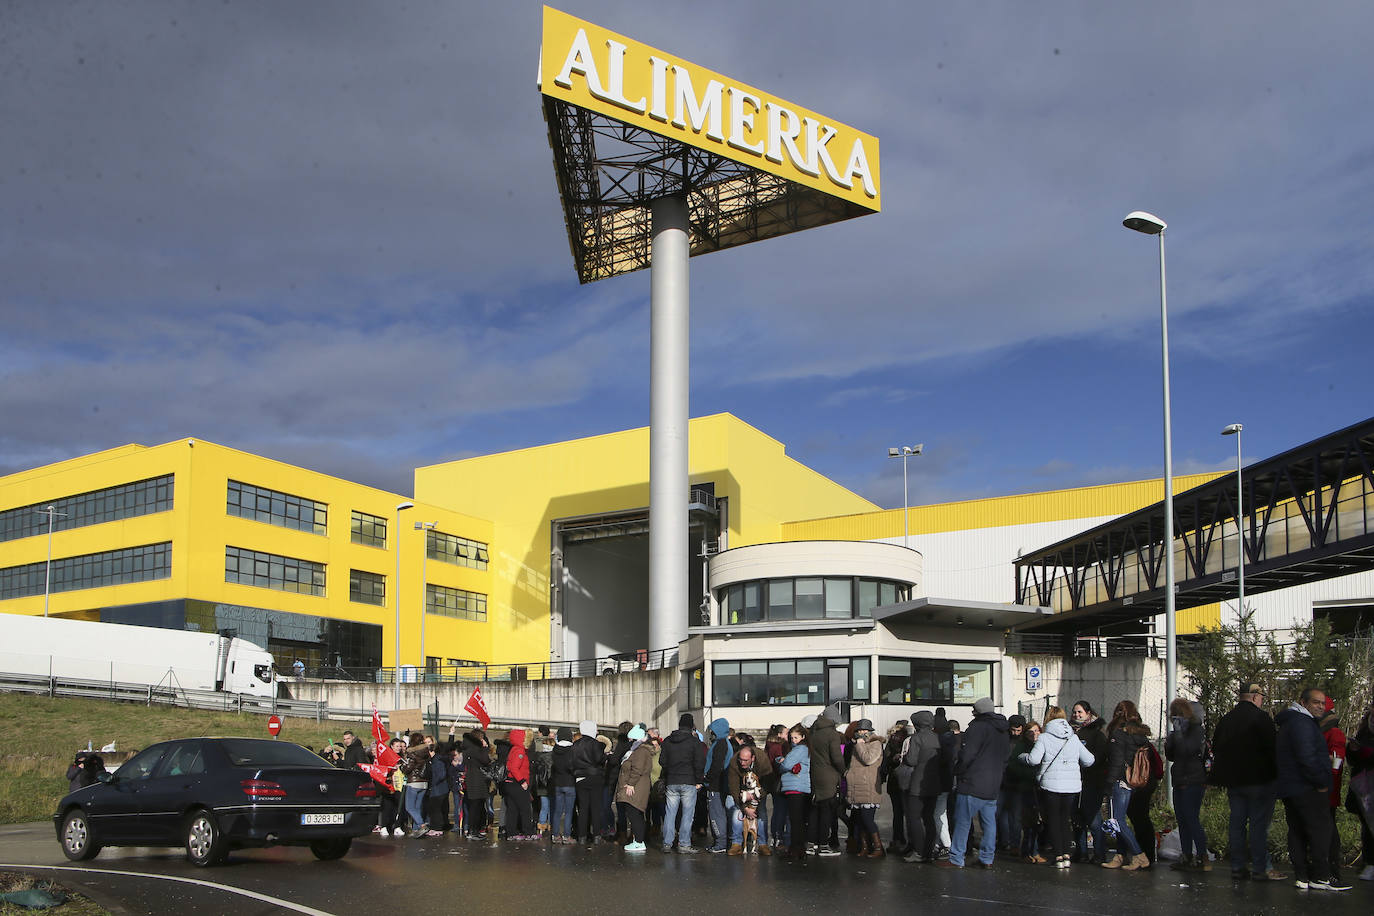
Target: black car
x=216, y=794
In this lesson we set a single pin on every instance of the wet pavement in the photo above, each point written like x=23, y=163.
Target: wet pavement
x=391, y=873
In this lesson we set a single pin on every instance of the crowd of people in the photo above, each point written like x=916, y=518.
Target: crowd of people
x=1072, y=788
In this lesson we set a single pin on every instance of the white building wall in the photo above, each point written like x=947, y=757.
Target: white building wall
x=1279, y=610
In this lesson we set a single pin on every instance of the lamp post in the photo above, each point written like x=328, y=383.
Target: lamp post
x=1234, y=430
x=396, y=661
x=424, y=590
x=50, y=511
x=1149, y=224
x=904, y=452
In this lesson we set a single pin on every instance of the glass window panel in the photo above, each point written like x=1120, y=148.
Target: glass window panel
x=734, y=604
x=725, y=684
x=810, y=681
x=810, y=599
x=782, y=681
x=753, y=609
x=839, y=598
x=753, y=683
x=780, y=599
x=972, y=681
x=887, y=593
x=861, y=687
x=894, y=680
x=868, y=597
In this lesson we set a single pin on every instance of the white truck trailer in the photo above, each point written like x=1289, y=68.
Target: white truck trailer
x=55, y=647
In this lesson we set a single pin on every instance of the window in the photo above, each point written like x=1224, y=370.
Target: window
x=810, y=598
x=275, y=508
x=860, y=687
x=449, y=548
x=366, y=587
x=933, y=681
x=742, y=603
x=368, y=529
x=839, y=599
x=268, y=570
x=776, y=682
x=92, y=570
x=972, y=681
x=185, y=760
x=455, y=602
x=780, y=600
x=129, y=500
x=143, y=764
x=807, y=598
x=696, y=688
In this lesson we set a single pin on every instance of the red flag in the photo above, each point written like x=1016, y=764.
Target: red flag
x=379, y=735
x=476, y=707
x=381, y=774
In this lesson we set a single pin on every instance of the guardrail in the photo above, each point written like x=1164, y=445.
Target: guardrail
x=213, y=700
x=643, y=660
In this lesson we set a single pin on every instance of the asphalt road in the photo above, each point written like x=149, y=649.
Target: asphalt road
x=400, y=873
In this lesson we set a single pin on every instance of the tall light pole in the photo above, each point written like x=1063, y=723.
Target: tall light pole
x=50, y=511
x=1150, y=224
x=904, y=452
x=1234, y=430
x=396, y=661
x=424, y=590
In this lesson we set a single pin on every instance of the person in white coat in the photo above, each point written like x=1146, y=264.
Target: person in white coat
x=1058, y=754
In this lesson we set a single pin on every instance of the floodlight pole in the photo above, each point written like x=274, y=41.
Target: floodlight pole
x=668, y=387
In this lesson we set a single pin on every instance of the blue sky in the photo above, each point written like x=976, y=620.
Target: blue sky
x=329, y=233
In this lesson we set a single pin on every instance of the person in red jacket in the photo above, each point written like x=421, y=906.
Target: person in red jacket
x=1335, y=748
x=521, y=823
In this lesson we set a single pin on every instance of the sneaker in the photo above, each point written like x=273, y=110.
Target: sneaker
x=380, y=829
x=635, y=847
x=828, y=852
x=688, y=850
x=811, y=849
x=1331, y=884
x=434, y=833
x=915, y=858
x=714, y=851
x=667, y=850
x=1300, y=884
x=1368, y=873
x=398, y=832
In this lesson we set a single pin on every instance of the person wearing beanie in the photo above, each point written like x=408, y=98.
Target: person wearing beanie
x=978, y=779
x=588, y=762
x=633, y=784
x=564, y=787
x=683, y=761
x=920, y=780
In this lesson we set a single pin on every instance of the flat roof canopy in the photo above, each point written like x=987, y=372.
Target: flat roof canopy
x=952, y=612
x=629, y=124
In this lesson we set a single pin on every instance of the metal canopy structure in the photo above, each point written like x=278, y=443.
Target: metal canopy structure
x=1309, y=515
x=609, y=172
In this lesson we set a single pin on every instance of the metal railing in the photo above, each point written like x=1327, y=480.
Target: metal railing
x=212, y=700
x=601, y=666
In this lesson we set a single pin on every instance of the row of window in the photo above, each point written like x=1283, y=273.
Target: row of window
x=808, y=598
x=276, y=508
x=818, y=681
x=449, y=548
x=92, y=570
x=455, y=602
x=269, y=570
x=142, y=497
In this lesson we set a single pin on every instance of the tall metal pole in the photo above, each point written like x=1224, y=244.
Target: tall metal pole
x=396, y=587
x=47, y=575
x=1170, y=634
x=1234, y=430
x=906, y=506
x=668, y=405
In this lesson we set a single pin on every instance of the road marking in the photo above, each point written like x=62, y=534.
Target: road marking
x=285, y=904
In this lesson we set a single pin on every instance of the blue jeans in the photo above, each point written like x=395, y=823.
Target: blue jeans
x=737, y=823
x=1188, y=808
x=1126, y=843
x=1253, y=805
x=543, y=811
x=415, y=805
x=966, y=808
x=715, y=810
x=563, y=799
x=681, y=799
x=1090, y=822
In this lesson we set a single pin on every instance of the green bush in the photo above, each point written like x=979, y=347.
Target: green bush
x=1216, y=821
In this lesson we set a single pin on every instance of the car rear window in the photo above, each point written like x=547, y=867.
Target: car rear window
x=250, y=752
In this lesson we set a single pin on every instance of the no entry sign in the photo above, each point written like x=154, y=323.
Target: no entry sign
x=274, y=726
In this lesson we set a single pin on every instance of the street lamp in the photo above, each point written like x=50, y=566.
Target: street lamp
x=424, y=590
x=1149, y=224
x=50, y=511
x=396, y=662
x=1234, y=430
x=904, y=452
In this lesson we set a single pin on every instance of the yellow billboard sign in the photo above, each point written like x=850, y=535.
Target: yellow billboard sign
x=596, y=69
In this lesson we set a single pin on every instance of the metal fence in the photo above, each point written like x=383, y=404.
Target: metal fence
x=643, y=660
x=212, y=700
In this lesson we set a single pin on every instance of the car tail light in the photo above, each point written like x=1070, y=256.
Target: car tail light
x=262, y=788
x=366, y=791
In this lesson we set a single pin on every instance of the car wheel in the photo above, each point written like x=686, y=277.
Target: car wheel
x=78, y=842
x=335, y=848
x=205, y=843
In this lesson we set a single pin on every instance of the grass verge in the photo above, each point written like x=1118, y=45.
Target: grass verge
x=75, y=905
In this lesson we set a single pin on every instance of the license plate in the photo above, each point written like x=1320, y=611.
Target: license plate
x=315, y=819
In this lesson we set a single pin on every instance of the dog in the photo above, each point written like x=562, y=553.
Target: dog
x=750, y=793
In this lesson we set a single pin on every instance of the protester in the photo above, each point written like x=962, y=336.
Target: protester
x=564, y=787
x=633, y=783
x=795, y=767
x=1304, y=781
x=1016, y=780
x=416, y=767
x=1336, y=744
x=612, y=816
x=684, y=762
x=476, y=758
x=1126, y=735
x=541, y=769
x=436, y=799
x=773, y=751
x=978, y=779
x=84, y=770
x=714, y=777
x=354, y=754
x=1243, y=763
x=745, y=781
x=1142, y=802
x=1090, y=729
x=827, y=765
x=391, y=794
x=1186, y=748
x=1060, y=758
x=520, y=824
x=864, y=787
x=896, y=794
x=456, y=778
x=588, y=762
x=919, y=775
x=1032, y=817
x=949, y=756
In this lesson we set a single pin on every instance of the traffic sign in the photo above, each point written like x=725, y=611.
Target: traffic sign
x=1035, y=679
x=274, y=726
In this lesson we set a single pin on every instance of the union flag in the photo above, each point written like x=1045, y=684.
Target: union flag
x=475, y=707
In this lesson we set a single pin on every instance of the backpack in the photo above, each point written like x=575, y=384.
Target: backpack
x=1137, y=774
x=495, y=771
x=539, y=771
x=903, y=770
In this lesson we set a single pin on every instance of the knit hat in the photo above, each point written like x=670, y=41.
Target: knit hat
x=982, y=706
x=637, y=733
x=686, y=721
x=864, y=725
x=1017, y=721
x=588, y=728
x=564, y=733
x=923, y=719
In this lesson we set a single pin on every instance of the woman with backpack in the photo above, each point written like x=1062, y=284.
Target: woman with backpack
x=1186, y=747
x=1128, y=768
x=1059, y=758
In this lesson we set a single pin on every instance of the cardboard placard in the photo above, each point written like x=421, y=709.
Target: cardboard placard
x=404, y=720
